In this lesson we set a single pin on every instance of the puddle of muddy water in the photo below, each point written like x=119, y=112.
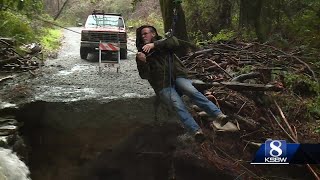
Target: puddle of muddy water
x=66, y=93
x=76, y=69
x=4, y=105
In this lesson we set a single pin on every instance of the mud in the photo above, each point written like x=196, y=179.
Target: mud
x=64, y=138
x=94, y=140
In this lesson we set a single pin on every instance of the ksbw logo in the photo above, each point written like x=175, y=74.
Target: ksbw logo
x=275, y=152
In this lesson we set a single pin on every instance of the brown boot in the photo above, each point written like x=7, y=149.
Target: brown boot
x=222, y=119
x=199, y=136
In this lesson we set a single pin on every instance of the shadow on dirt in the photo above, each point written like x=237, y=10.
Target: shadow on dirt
x=117, y=140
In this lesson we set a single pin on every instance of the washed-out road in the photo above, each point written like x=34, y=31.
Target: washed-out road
x=70, y=78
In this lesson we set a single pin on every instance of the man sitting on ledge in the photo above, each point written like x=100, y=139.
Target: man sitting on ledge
x=168, y=77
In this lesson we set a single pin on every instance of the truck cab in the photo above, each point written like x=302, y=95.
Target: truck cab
x=104, y=27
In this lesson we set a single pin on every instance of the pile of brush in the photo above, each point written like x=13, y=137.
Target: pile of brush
x=28, y=59
x=247, y=82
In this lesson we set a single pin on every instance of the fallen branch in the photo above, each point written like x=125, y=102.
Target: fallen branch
x=241, y=107
x=6, y=78
x=253, y=143
x=296, y=58
x=238, y=86
x=275, y=118
x=198, y=53
x=245, y=168
x=248, y=121
x=10, y=59
x=294, y=137
x=286, y=121
x=7, y=42
x=243, y=77
x=222, y=69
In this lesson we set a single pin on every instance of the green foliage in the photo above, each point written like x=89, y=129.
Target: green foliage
x=297, y=22
x=24, y=30
x=207, y=16
x=14, y=4
x=79, y=10
x=292, y=79
x=201, y=39
x=135, y=2
x=198, y=37
x=50, y=39
x=309, y=89
x=246, y=69
x=153, y=19
x=16, y=26
x=306, y=28
x=74, y=15
x=121, y=6
x=26, y=6
x=317, y=130
x=247, y=34
x=314, y=107
x=223, y=35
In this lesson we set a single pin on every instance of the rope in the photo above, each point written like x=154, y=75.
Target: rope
x=171, y=58
x=170, y=33
x=55, y=24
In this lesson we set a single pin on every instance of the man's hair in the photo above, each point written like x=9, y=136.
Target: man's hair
x=139, y=40
x=151, y=29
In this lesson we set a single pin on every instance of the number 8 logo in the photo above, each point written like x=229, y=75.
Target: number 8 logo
x=275, y=148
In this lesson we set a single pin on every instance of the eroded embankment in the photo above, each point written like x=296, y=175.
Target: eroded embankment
x=120, y=140
x=110, y=140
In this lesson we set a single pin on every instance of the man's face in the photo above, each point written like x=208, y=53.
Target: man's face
x=147, y=35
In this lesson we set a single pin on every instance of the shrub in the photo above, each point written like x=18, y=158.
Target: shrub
x=16, y=26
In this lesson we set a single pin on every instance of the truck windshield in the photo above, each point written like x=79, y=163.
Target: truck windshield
x=104, y=20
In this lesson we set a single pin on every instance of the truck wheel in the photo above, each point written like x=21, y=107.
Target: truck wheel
x=83, y=53
x=123, y=53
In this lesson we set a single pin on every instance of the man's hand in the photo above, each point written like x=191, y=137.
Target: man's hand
x=141, y=56
x=146, y=48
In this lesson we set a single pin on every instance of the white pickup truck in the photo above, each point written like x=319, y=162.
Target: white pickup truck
x=105, y=27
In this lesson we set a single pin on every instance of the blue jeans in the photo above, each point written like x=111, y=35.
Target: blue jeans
x=184, y=86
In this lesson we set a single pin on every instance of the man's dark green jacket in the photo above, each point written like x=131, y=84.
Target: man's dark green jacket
x=156, y=69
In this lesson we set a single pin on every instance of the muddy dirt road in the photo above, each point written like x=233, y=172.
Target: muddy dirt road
x=70, y=78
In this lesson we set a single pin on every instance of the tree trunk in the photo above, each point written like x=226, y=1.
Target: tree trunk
x=263, y=25
x=64, y=4
x=257, y=15
x=180, y=30
x=248, y=13
x=224, y=17
x=50, y=7
x=167, y=16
